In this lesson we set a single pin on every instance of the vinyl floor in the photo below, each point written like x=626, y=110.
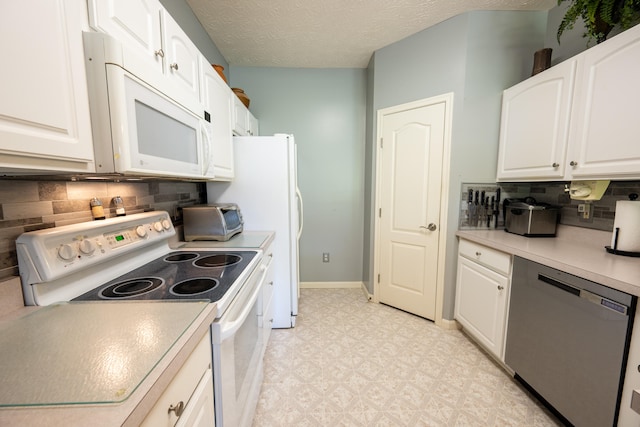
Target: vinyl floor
x=350, y=362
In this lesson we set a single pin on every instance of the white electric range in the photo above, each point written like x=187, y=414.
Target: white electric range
x=129, y=258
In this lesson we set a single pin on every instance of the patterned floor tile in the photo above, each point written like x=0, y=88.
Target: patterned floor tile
x=369, y=364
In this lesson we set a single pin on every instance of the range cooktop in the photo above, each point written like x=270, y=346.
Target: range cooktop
x=188, y=275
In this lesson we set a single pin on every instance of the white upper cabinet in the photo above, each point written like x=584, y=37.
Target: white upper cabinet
x=181, y=56
x=152, y=42
x=254, y=124
x=535, y=125
x=240, y=118
x=244, y=123
x=44, y=108
x=135, y=23
x=217, y=101
x=605, y=130
x=576, y=120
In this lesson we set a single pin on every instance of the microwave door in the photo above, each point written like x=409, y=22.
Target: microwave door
x=152, y=135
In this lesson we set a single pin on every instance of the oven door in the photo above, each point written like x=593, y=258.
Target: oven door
x=237, y=355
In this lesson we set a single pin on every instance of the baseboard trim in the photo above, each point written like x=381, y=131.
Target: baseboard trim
x=331, y=285
x=449, y=324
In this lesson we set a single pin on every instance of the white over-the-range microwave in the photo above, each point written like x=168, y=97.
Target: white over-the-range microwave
x=142, y=124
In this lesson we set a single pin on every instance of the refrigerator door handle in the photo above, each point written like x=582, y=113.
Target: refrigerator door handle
x=300, y=213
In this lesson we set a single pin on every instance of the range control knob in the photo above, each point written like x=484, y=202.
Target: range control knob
x=141, y=231
x=158, y=226
x=87, y=247
x=66, y=252
x=166, y=224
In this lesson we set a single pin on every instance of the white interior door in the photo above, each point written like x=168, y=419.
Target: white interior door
x=409, y=189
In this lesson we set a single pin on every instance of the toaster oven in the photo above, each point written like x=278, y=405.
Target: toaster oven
x=531, y=219
x=219, y=221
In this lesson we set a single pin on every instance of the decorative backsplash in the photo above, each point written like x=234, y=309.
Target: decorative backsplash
x=604, y=210
x=554, y=193
x=33, y=205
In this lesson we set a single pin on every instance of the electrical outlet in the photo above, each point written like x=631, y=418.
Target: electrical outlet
x=584, y=211
x=325, y=257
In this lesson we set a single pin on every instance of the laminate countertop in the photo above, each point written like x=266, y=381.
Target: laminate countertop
x=94, y=364
x=575, y=250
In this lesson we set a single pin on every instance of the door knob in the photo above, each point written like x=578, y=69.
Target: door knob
x=430, y=227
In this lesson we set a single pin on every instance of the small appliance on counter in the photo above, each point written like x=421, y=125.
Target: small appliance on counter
x=626, y=232
x=528, y=218
x=215, y=221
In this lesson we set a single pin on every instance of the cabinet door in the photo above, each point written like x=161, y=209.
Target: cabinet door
x=534, y=126
x=44, y=108
x=186, y=388
x=481, y=304
x=253, y=124
x=135, y=23
x=240, y=117
x=199, y=412
x=605, y=123
x=181, y=56
x=216, y=97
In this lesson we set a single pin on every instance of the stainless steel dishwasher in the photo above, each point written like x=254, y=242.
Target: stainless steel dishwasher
x=567, y=341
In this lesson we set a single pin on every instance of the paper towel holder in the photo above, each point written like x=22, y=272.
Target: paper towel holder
x=616, y=232
x=587, y=190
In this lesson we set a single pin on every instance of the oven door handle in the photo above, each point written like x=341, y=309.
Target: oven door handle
x=232, y=326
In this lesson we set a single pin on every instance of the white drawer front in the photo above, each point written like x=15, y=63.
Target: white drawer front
x=490, y=258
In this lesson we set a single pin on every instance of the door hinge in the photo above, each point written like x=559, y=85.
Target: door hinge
x=378, y=277
x=379, y=212
x=381, y=142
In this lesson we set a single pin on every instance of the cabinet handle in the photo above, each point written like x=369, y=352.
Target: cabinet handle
x=174, y=66
x=500, y=287
x=159, y=53
x=478, y=253
x=555, y=166
x=178, y=409
x=573, y=163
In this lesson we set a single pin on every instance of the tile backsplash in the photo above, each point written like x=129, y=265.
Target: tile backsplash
x=603, y=210
x=33, y=205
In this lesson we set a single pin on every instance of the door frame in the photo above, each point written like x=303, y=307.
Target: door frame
x=447, y=99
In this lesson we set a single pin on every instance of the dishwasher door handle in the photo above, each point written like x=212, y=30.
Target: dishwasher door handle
x=589, y=296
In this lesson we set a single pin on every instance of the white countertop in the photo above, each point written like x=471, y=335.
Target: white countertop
x=575, y=250
x=178, y=328
x=244, y=240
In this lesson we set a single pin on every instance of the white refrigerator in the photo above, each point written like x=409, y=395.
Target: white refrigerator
x=266, y=191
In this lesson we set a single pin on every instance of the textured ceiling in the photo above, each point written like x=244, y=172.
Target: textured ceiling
x=326, y=33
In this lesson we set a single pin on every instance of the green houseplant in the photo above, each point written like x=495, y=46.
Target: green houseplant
x=600, y=16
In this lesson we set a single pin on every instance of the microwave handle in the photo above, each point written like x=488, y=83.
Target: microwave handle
x=206, y=148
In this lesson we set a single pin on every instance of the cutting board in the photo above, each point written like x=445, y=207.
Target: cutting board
x=87, y=352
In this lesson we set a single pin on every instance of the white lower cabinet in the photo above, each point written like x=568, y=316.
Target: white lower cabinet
x=482, y=294
x=266, y=318
x=188, y=400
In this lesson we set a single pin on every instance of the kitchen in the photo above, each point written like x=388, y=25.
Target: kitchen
x=339, y=141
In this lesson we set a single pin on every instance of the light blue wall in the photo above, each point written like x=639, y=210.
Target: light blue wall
x=325, y=110
x=474, y=55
